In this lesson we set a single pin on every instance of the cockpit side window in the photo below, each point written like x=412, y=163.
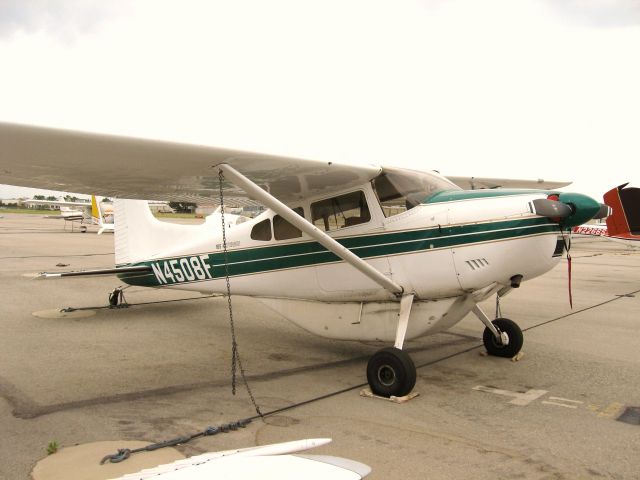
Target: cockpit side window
x=339, y=212
x=261, y=230
x=283, y=230
x=401, y=190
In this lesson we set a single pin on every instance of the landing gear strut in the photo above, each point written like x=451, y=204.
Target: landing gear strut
x=390, y=371
x=116, y=298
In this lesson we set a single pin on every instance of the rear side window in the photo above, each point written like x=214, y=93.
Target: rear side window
x=283, y=230
x=262, y=230
x=340, y=212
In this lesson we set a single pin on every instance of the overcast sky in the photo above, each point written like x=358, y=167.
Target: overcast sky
x=507, y=88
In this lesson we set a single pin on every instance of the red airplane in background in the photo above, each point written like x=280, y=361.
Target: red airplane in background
x=623, y=224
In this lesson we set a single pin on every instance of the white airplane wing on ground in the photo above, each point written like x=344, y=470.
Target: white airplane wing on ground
x=264, y=462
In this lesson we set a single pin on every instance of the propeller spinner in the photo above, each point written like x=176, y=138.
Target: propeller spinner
x=568, y=209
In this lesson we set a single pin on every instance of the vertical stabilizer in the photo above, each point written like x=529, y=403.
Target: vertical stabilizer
x=140, y=236
x=625, y=203
x=96, y=214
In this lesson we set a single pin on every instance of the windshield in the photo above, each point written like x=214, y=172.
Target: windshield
x=399, y=190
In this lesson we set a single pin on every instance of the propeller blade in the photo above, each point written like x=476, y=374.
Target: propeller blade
x=550, y=208
x=604, y=212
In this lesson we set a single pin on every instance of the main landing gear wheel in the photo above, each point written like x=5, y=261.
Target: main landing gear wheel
x=514, y=339
x=391, y=372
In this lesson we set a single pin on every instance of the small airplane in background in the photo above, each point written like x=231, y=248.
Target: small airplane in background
x=96, y=212
x=69, y=214
x=623, y=223
x=347, y=252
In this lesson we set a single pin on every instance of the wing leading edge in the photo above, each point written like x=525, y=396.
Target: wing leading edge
x=125, y=167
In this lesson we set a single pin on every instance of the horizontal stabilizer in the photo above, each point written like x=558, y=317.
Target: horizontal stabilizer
x=104, y=271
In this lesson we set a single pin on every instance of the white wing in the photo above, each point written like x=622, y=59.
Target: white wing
x=125, y=167
x=263, y=462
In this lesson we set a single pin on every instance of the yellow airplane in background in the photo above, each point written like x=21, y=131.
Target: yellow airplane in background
x=95, y=213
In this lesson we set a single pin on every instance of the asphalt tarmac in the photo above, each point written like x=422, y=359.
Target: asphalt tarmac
x=159, y=370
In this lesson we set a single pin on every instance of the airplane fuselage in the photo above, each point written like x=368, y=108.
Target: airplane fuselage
x=452, y=251
x=381, y=253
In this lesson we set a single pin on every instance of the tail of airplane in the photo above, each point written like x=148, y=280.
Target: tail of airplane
x=98, y=216
x=140, y=236
x=96, y=212
x=625, y=219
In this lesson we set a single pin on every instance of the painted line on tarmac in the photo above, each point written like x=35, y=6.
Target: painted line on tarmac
x=559, y=404
x=522, y=399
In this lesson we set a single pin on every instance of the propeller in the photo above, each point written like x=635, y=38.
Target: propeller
x=556, y=211
x=552, y=208
x=604, y=212
x=568, y=210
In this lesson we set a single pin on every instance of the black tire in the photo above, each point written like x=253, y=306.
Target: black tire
x=514, y=333
x=391, y=372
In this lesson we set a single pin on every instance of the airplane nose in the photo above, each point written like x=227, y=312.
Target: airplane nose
x=566, y=208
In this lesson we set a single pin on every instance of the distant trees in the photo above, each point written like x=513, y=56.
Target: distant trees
x=5, y=204
x=50, y=198
x=183, y=207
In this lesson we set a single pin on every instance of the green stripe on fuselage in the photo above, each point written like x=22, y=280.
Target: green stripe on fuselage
x=305, y=254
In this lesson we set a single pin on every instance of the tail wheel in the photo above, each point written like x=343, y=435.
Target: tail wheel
x=514, y=336
x=391, y=372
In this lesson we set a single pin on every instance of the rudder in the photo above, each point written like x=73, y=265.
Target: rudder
x=140, y=236
x=625, y=203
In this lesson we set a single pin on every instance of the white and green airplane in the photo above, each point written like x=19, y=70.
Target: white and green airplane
x=346, y=252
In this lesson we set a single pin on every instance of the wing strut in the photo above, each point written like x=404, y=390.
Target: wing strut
x=299, y=222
